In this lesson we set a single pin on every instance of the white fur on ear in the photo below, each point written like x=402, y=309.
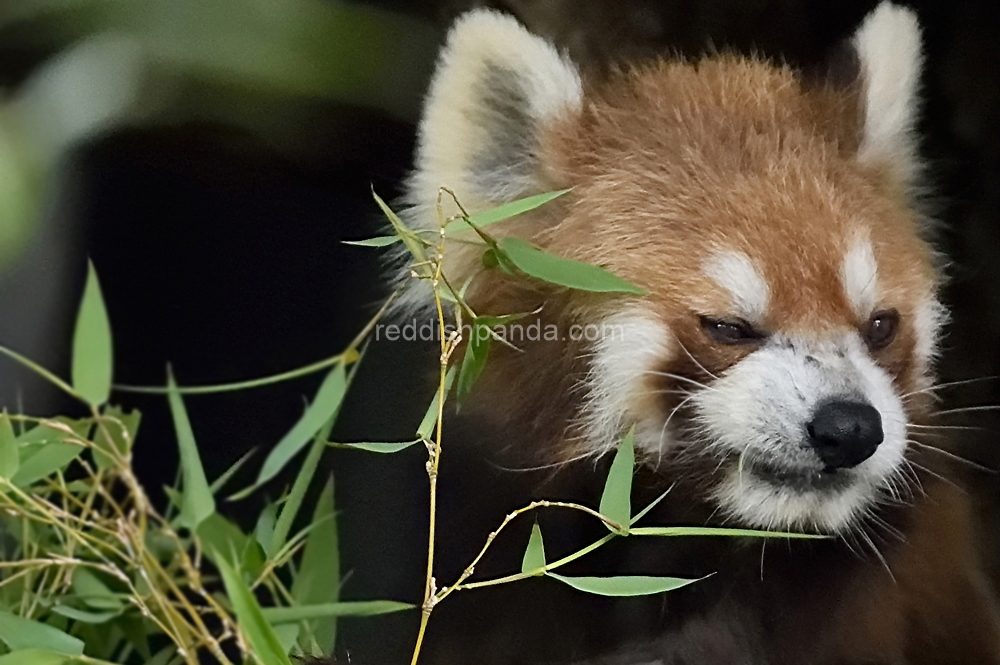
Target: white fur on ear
x=889, y=50
x=496, y=84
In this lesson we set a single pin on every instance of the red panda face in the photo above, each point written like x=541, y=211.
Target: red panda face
x=782, y=350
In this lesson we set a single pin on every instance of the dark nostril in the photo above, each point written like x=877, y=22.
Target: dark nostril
x=845, y=434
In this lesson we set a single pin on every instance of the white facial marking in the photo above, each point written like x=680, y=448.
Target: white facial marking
x=735, y=272
x=757, y=413
x=631, y=344
x=859, y=276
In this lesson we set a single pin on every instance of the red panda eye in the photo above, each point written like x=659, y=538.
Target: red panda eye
x=881, y=329
x=730, y=331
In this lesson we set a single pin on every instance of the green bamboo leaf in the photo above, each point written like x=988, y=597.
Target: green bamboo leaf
x=671, y=531
x=318, y=578
x=35, y=657
x=367, y=608
x=41, y=461
x=503, y=212
x=135, y=631
x=197, y=502
x=534, y=555
x=430, y=418
x=324, y=406
x=642, y=513
x=56, y=429
x=380, y=241
x=165, y=656
x=92, y=348
x=89, y=588
x=494, y=321
x=616, y=501
x=252, y=560
x=627, y=585
x=264, y=531
x=221, y=481
x=219, y=537
x=20, y=633
x=9, y=459
x=255, y=627
x=287, y=635
x=562, y=271
x=84, y=616
x=122, y=427
x=409, y=238
x=476, y=353
x=376, y=447
x=297, y=495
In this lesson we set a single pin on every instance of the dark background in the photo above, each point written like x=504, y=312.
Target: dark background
x=220, y=253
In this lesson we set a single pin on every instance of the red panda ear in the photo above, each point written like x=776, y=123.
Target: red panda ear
x=888, y=49
x=495, y=86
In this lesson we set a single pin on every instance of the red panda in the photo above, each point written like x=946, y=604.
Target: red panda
x=779, y=367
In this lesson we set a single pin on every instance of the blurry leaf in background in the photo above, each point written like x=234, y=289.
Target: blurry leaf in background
x=21, y=183
x=74, y=95
x=313, y=48
x=145, y=61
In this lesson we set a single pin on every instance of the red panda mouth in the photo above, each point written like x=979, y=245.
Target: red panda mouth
x=802, y=479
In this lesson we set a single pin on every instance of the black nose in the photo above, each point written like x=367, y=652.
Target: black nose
x=845, y=434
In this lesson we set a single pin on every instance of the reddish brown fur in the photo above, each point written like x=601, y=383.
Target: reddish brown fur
x=673, y=161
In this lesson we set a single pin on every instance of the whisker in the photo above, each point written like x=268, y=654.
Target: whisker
x=663, y=430
x=680, y=377
x=885, y=526
x=927, y=391
x=885, y=564
x=695, y=360
x=969, y=409
x=950, y=427
x=952, y=384
x=848, y=539
x=552, y=465
x=938, y=476
x=908, y=472
x=951, y=455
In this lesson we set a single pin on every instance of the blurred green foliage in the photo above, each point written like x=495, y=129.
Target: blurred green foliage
x=251, y=64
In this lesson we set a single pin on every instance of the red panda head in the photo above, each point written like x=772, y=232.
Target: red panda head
x=783, y=348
